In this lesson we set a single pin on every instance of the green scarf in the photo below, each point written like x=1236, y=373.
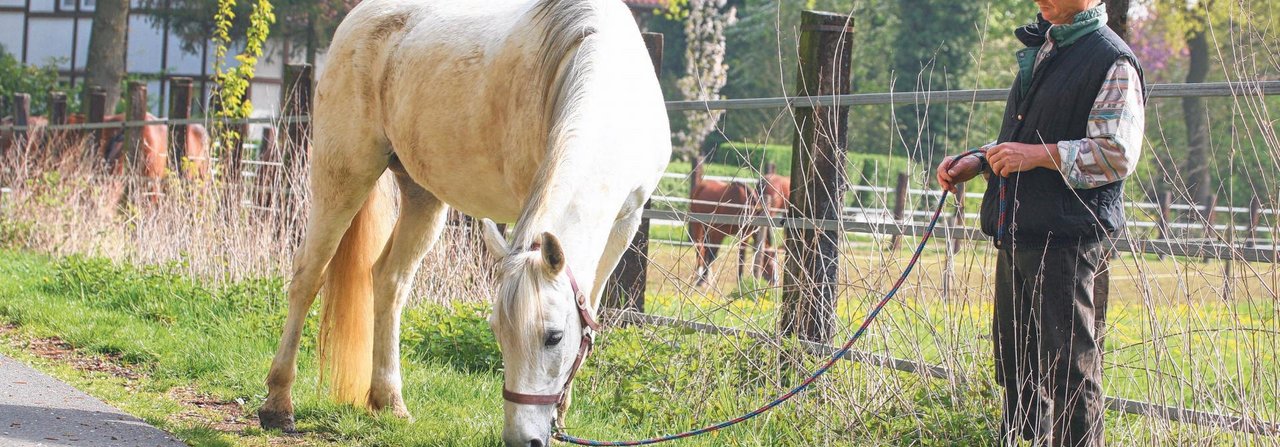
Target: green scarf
x=1033, y=36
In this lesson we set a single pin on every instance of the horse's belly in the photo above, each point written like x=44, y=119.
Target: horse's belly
x=467, y=179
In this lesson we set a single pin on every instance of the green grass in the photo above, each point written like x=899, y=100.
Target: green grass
x=219, y=340
x=641, y=381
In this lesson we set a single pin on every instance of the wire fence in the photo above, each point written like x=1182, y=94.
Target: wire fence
x=1217, y=241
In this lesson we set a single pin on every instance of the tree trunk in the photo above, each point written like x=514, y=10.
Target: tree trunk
x=1118, y=17
x=106, y=65
x=1196, y=170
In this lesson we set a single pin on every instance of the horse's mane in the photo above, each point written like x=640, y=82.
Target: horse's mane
x=564, y=66
x=518, y=306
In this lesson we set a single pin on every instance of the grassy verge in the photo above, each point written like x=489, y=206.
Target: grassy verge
x=218, y=339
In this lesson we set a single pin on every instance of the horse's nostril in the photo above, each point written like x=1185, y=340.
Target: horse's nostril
x=535, y=443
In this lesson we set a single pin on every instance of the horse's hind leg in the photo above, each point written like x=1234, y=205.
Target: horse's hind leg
x=422, y=217
x=340, y=183
x=714, y=238
x=698, y=235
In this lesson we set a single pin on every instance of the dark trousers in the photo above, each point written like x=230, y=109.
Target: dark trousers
x=1048, y=352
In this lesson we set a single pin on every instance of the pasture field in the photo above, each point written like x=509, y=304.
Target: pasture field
x=214, y=338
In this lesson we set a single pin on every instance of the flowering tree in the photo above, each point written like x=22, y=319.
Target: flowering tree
x=705, y=72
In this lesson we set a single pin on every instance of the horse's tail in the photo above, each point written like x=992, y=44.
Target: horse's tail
x=346, y=313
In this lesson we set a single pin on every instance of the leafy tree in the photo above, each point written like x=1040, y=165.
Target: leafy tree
x=105, y=66
x=1207, y=30
x=1118, y=17
x=761, y=55
x=932, y=60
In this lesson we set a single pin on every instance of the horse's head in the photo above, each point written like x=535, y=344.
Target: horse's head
x=542, y=328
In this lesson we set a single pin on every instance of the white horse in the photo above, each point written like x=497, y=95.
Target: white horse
x=546, y=113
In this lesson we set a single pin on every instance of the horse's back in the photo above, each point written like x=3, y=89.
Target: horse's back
x=722, y=198
x=459, y=90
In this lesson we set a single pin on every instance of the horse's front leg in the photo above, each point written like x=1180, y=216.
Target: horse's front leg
x=334, y=205
x=421, y=220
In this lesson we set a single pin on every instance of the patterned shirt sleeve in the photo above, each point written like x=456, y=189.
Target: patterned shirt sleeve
x=1109, y=152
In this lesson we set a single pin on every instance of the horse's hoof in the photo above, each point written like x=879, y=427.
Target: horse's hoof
x=390, y=403
x=401, y=412
x=273, y=420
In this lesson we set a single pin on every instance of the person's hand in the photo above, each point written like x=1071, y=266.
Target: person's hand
x=966, y=168
x=1009, y=158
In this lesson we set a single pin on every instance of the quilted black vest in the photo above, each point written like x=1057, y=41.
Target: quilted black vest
x=1041, y=208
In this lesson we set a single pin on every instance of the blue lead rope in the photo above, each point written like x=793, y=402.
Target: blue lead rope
x=562, y=436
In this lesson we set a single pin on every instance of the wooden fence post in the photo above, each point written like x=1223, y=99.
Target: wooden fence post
x=136, y=110
x=22, y=118
x=267, y=179
x=1209, y=214
x=95, y=112
x=1255, y=217
x=1162, y=225
x=818, y=178
x=901, y=195
x=57, y=108
x=180, y=90
x=232, y=168
x=296, y=102
x=52, y=139
x=626, y=286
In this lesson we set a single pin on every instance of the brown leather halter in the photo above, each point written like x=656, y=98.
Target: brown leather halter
x=589, y=328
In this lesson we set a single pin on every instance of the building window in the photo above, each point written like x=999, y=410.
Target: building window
x=70, y=5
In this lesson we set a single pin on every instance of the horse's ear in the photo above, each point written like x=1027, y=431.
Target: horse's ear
x=494, y=240
x=552, y=254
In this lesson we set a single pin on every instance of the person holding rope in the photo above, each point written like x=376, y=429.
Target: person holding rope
x=1072, y=132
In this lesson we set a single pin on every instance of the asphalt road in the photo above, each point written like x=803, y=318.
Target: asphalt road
x=38, y=410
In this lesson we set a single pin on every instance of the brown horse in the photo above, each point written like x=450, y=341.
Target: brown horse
x=154, y=149
x=744, y=201
x=777, y=198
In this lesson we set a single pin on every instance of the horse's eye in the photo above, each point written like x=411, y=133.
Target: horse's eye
x=553, y=338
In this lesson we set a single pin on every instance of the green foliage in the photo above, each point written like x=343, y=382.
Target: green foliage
x=675, y=10
x=233, y=82
x=934, y=60
x=754, y=156
x=16, y=77
x=641, y=388
x=14, y=233
x=458, y=336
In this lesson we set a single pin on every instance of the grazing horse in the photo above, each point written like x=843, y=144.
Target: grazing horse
x=109, y=147
x=545, y=113
x=155, y=148
x=744, y=201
